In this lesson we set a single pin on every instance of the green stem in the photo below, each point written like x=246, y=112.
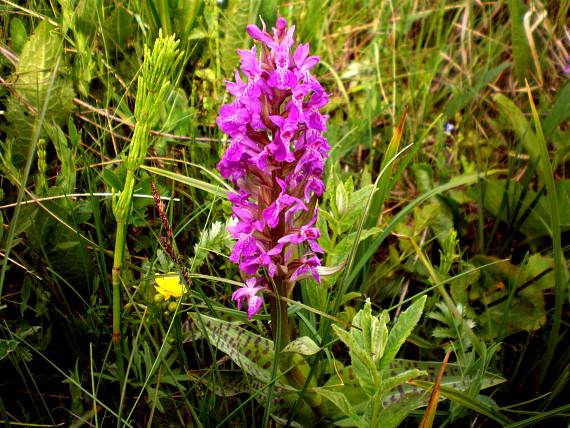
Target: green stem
x=279, y=317
x=118, y=256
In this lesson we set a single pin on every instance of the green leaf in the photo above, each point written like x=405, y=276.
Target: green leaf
x=18, y=34
x=342, y=403
x=220, y=190
x=520, y=126
x=341, y=199
x=393, y=381
x=7, y=346
x=232, y=383
x=558, y=112
x=253, y=353
x=34, y=71
x=401, y=330
x=392, y=415
x=462, y=99
x=454, y=377
x=39, y=56
x=66, y=178
x=372, y=247
x=560, y=267
x=467, y=402
x=519, y=42
x=339, y=253
x=303, y=345
x=364, y=367
x=211, y=240
x=424, y=176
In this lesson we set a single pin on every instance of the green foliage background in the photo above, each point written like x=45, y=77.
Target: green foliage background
x=469, y=205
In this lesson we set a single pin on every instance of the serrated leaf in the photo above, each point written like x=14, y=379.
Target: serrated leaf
x=362, y=363
x=211, y=240
x=401, y=330
x=454, y=377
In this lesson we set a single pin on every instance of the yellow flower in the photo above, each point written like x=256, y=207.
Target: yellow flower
x=169, y=285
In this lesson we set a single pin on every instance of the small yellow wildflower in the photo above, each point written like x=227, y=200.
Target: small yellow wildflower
x=169, y=285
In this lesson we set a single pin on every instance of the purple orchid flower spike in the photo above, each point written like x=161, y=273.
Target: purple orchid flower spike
x=275, y=158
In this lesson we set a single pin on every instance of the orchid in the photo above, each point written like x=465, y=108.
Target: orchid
x=275, y=158
x=248, y=292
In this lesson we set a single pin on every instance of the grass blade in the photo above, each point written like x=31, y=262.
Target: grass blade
x=560, y=274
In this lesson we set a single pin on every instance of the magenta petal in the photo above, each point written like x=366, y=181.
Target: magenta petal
x=257, y=34
x=281, y=23
x=253, y=306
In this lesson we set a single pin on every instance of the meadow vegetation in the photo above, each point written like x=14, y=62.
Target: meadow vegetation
x=445, y=222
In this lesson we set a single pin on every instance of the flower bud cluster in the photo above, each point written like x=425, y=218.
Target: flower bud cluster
x=276, y=159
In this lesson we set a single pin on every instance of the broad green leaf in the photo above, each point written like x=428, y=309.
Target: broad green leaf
x=506, y=314
x=34, y=69
x=31, y=81
x=393, y=381
x=253, y=353
x=391, y=416
x=533, y=220
x=454, y=377
x=18, y=34
x=303, y=345
x=401, y=330
x=230, y=384
x=345, y=407
x=364, y=367
x=424, y=176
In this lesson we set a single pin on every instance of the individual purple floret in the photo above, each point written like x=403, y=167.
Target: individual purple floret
x=275, y=158
x=249, y=293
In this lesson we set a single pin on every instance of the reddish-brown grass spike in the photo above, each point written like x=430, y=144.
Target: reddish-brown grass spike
x=429, y=415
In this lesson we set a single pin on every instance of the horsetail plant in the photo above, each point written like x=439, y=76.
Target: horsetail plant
x=276, y=160
x=153, y=85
